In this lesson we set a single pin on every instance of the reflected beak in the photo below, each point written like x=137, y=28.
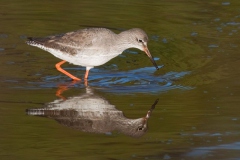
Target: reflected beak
x=150, y=110
x=145, y=119
x=150, y=56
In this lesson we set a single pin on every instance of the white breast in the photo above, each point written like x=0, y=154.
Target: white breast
x=88, y=58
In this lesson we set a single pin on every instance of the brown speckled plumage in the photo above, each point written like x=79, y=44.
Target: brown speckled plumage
x=92, y=46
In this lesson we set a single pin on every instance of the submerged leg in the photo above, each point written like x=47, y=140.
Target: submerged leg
x=58, y=66
x=86, y=77
x=86, y=74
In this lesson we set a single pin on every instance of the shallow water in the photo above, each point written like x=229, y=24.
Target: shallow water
x=195, y=45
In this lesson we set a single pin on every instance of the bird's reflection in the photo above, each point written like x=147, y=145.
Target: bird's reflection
x=91, y=113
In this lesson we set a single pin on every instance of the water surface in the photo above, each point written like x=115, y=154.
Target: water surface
x=195, y=44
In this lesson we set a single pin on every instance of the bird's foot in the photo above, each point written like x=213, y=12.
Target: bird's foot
x=75, y=79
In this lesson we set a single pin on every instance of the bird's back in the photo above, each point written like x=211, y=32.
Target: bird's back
x=74, y=42
x=87, y=47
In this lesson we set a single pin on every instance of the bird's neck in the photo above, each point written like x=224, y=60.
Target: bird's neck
x=124, y=41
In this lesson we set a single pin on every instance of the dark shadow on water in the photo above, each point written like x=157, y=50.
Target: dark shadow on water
x=91, y=113
x=140, y=80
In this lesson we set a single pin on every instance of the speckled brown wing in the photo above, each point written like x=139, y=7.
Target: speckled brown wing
x=72, y=42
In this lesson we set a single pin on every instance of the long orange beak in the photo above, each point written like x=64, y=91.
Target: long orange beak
x=151, y=57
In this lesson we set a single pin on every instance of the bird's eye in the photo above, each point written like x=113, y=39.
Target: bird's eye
x=140, y=128
x=139, y=40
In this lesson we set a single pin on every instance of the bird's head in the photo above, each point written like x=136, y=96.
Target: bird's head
x=139, y=40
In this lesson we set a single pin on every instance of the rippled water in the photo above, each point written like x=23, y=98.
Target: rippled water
x=195, y=44
x=128, y=82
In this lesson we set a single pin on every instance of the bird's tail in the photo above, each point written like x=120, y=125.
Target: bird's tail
x=34, y=41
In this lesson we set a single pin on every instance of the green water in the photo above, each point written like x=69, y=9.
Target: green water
x=197, y=44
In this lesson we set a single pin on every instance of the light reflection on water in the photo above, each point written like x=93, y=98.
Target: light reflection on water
x=198, y=45
x=140, y=80
x=91, y=113
x=208, y=151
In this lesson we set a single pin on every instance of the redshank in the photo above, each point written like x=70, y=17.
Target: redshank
x=91, y=47
x=92, y=113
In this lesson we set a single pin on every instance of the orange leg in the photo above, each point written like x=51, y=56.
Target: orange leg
x=60, y=90
x=58, y=66
x=64, y=87
x=86, y=75
x=86, y=78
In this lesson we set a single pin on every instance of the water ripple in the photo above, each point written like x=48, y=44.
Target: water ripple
x=201, y=151
x=143, y=80
x=140, y=80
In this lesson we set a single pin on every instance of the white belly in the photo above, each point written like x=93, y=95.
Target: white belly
x=86, y=59
x=90, y=61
